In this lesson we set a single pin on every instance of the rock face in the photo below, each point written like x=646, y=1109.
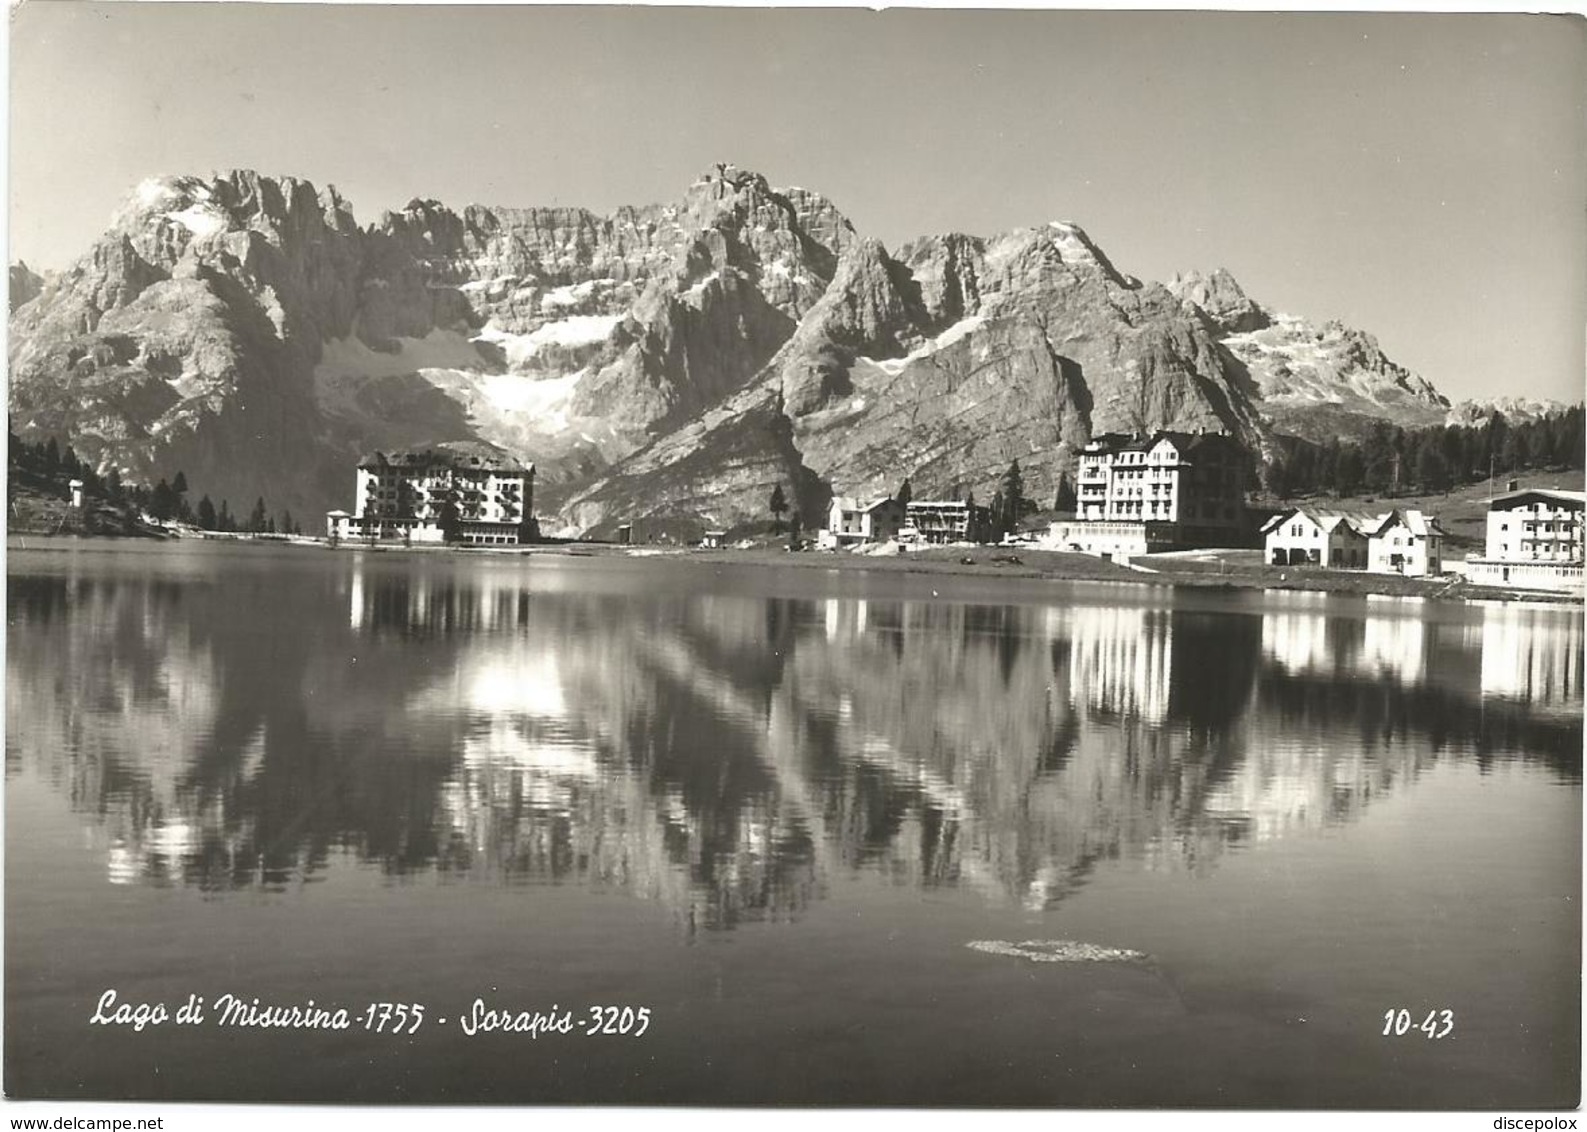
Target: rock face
x=668, y=360
x=1513, y=409
x=1309, y=381
x=945, y=364
x=25, y=284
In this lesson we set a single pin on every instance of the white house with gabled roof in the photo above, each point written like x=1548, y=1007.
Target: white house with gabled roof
x=1405, y=541
x=853, y=522
x=1304, y=536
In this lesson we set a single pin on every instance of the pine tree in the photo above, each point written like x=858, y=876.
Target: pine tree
x=1065, y=499
x=778, y=504
x=905, y=493
x=206, y=514
x=256, y=518
x=162, y=504
x=1014, y=502
x=224, y=520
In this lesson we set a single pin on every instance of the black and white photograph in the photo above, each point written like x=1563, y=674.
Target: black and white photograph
x=771, y=558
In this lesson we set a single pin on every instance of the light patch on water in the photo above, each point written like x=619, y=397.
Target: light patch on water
x=517, y=685
x=1058, y=951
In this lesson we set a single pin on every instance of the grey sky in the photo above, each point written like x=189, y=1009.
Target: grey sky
x=1422, y=177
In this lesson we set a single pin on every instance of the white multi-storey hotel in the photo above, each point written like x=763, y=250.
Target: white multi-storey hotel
x=464, y=491
x=1534, y=541
x=1171, y=489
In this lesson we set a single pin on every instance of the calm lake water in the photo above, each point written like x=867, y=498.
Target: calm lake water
x=773, y=807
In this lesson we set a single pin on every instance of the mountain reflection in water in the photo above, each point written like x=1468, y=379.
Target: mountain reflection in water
x=730, y=755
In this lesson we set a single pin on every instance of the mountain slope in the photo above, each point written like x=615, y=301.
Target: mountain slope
x=946, y=364
x=1309, y=381
x=672, y=359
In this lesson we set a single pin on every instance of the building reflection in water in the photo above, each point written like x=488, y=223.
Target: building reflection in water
x=1388, y=643
x=1532, y=654
x=1121, y=660
x=732, y=756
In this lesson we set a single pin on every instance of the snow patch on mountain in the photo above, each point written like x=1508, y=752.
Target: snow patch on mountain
x=957, y=332
x=547, y=398
x=578, y=330
x=153, y=192
x=573, y=295
x=202, y=220
x=1071, y=242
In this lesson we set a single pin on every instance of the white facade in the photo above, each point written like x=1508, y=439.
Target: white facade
x=1110, y=540
x=1555, y=577
x=852, y=522
x=1534, y=542
x=1333, y=539
x=1406, y=542
x=415, y=495
x=1193, y=480
x=1536, y=526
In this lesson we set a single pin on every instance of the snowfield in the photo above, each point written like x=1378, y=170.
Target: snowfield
x=959, y=330
x=202, y=220
x=577, y=330
x=547, y=399
x=573, y=295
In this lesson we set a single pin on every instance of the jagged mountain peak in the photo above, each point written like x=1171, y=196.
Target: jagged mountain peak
x=1024, y=257
x=1221, y=299
x=740, y=324
x=25, y=284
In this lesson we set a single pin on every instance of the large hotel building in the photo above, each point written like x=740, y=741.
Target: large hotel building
x=465, y=491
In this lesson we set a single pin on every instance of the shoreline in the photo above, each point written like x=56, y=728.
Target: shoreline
x=1207, y=571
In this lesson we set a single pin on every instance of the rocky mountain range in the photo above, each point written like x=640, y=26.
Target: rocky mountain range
x=668, y=360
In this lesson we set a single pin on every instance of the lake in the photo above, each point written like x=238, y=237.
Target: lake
x=771, y=809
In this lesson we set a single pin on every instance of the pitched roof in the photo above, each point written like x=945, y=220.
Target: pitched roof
x=1358, y=521
x=1414, y=521
x=1551, y=494
x=853, y=503
x=450, y=453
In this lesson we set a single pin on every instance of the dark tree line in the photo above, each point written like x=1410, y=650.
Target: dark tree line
x=166, y=500
x=1391, y=460
x=1009, y=504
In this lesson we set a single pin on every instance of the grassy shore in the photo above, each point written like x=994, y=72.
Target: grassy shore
x=36, y=505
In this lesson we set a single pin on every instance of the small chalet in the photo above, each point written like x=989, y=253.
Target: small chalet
x=1309, y=537
x=852, y=522
x=1406, y=542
